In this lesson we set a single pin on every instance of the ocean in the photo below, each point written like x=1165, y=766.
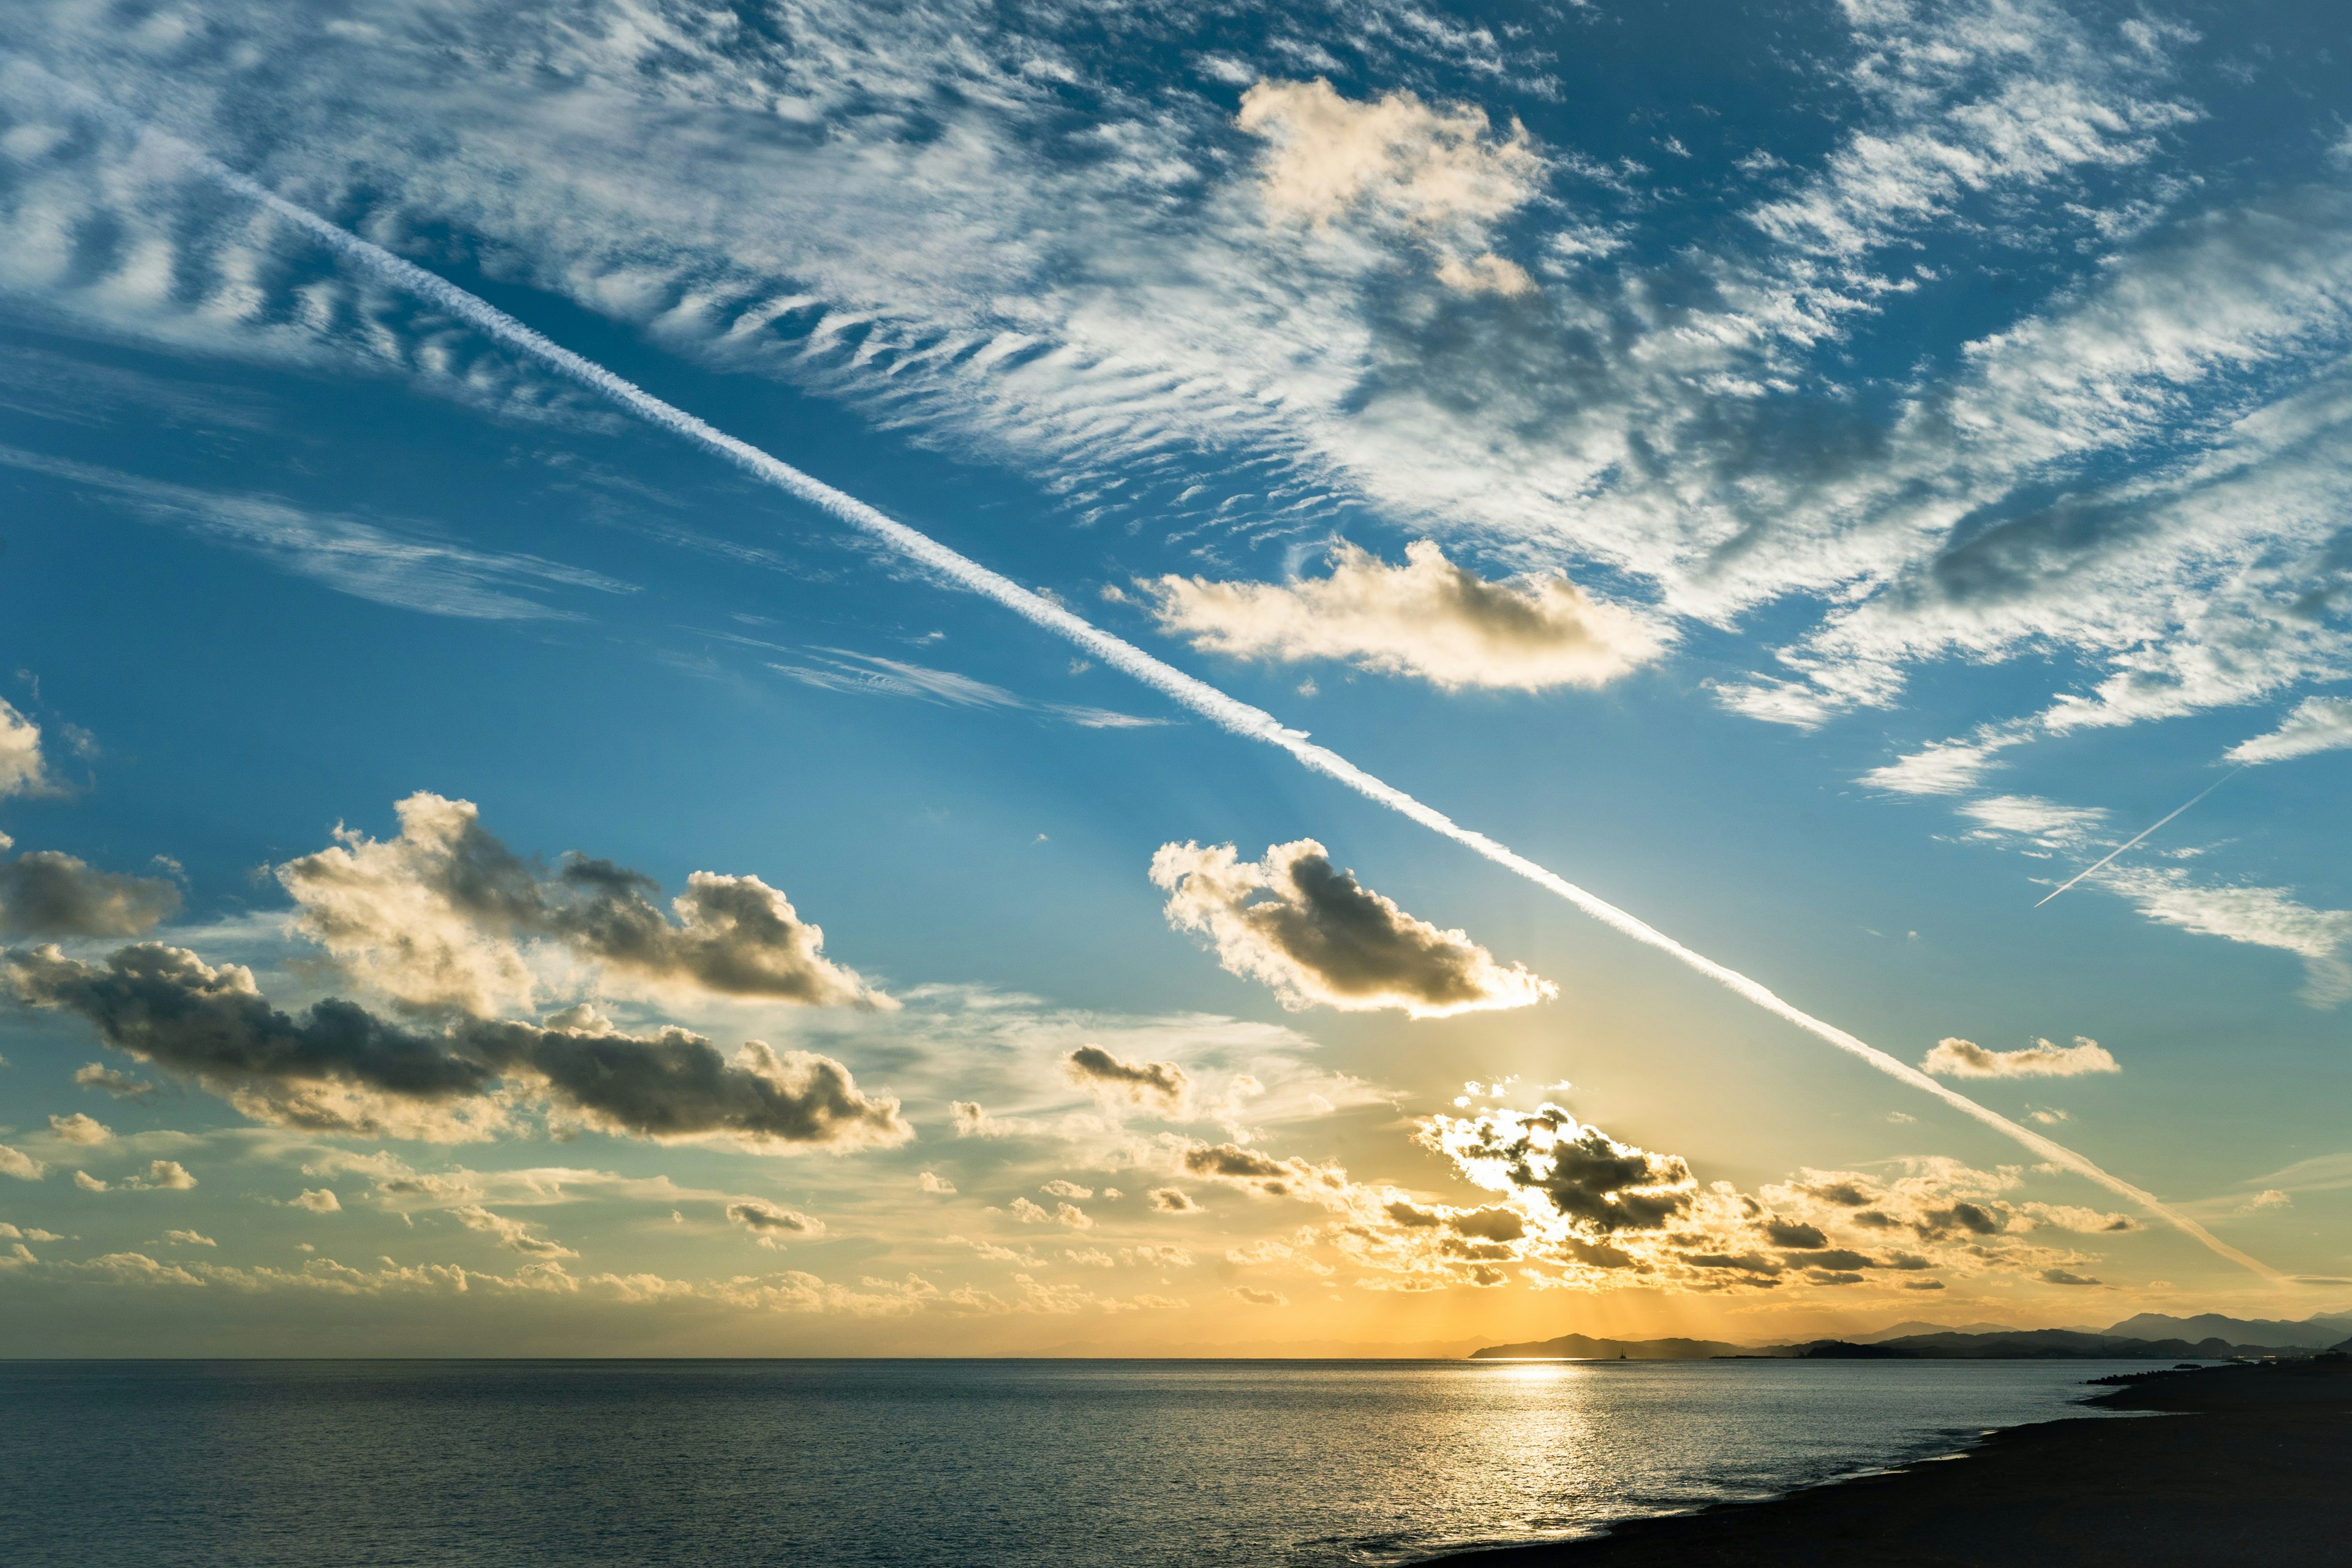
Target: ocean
x=826, y=1464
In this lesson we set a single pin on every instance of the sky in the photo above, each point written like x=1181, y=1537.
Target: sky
x=488, y=871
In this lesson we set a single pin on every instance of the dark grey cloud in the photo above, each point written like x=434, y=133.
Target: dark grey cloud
x=1171, y=1200
x=165, y=1006
x=1790, y=1233
x=46, y=894
x=767, y=1220
x=1316, y=935
x=1162, y=1085
x=1585, y=1174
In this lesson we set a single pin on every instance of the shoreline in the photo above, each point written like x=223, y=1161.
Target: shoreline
x=2248, y=1465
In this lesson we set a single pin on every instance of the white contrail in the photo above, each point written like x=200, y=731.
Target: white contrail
x=2144, y=832
x=1229, y=713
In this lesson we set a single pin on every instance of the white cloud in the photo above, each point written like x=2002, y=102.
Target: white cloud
x=436, y=916
x=390, y=562
x=80, y=1128
x=22, y=769
x=1437, y=173
x=2317, y=724
x=518, y=1236
x=121, y=1085
x=1944, y=767
x=162, y=1175
x=1316, y=936
x=2262, y=917
x=189, y=1238
x=1955, y=1058
x=18, y=1163
x=932, y=1182
x=1429, y=618
x=2040, y=822
x=866, y=675
x=317, y=1200
x=89, y=1183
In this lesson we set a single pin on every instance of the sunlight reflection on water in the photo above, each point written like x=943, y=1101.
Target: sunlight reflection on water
x=819, y=1464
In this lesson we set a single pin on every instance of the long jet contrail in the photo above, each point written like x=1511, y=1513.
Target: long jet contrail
x=1228, y=713
x=2144, y=832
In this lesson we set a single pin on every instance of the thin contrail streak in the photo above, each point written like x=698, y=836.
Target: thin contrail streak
x=2144, y=832
x=1228, y=713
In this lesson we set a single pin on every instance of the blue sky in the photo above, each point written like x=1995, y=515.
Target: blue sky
x=1860, y=464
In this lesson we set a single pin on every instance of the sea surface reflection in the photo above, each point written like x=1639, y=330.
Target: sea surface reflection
x=817, y=1464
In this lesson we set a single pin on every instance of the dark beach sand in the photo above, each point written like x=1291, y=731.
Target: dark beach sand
x=2255, y=1468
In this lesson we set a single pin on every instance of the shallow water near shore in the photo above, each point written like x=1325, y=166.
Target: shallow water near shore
x=470, y=1464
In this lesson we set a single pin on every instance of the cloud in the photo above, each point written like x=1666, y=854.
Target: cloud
x=2065, y=1277
x=1061, y=1188
x=121, y=1085
x=1579, y=1174
x=1955, y=1058
x=22, y=769
x=866, y=675
x=2261, y=917
x=932, y=1182
x=1171, y=1200
x=433, y=918
x=89, y=1183
x=2317, y=724
x=2043, y=823
x=163, y=1176
x=46, y=894
x=189, y=1238
x=1159, y=1086
x=340, y=1068
x=1257, y=1298
x=1395, y=162
x=767, y=1221
x=1316, y=936
x=80, y=1128
x=405, y=564
x=317, y=1200
x=1943, y=767
x=515, y=1235
x=1429, y=618
x=18, y=1163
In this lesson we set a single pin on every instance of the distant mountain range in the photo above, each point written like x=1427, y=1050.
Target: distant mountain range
x=2150, y=1336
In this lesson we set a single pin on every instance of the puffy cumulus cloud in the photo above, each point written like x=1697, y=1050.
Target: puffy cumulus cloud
x=1955, y=1058
x=1165, y=1200
x=932, y=1182
x=1065, y=1215
x=340, y=1068
x=2317, y=724
x=1315, y=935
x=121, y=1085
x=1060, y=1187
x=79, y=1129
x=1159, y=1085
x=18, y=1163
x=518, y=1236
x=189, y=1238
x=22, y=769
x=162, y=1176
x=767, y=1221
x=1579, y=1174
x=1437, y=173
x=435, y=917
x=317, y=1200
x=1428, y=619
x=91, y=1184
x=46, y=894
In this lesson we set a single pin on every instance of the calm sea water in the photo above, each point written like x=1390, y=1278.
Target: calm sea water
x=819, y=1464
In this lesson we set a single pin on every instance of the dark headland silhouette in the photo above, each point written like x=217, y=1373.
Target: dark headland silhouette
x=2146, y=1337
x=2248, y=1466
